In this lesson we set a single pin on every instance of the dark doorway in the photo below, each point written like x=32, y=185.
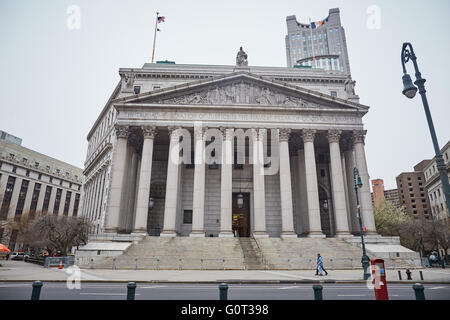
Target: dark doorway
x=241, y=216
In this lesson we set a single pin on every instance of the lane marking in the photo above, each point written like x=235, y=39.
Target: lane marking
x=435, y=288
x=289, y=275
x=351, y=295
x=105, y=294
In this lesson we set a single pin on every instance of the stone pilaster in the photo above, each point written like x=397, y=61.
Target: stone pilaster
x=145, y=177
x=287, y=215
x=198, y=206
x=349, y=166
x=364, y=193
x=226, y=184
x=338, y=185
x=170, y=210
x=315, y=228
x=258, y=183
x=117, y=177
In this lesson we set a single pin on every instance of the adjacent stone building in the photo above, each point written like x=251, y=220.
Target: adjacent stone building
x=434, y=185
x=31, y=182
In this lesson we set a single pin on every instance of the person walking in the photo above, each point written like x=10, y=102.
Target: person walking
x=320, y=270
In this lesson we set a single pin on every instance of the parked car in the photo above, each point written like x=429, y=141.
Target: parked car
x=19, y=256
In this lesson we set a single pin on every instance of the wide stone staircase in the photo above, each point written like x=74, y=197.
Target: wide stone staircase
x=252, y=254
x=177, y=253
x=212, y=253
x=301, y=253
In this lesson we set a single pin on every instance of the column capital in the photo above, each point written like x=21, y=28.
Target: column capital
x=149, y=132
x=199, y=132
x=174, y=132
x=227, y=133
x=284, y=134
x=122, y=132
x=334, y=135
x=262, y=133
x=308, y=135
x=359, y=136
x=347, y=144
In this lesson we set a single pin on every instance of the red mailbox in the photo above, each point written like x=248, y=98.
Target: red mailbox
x=379, y=279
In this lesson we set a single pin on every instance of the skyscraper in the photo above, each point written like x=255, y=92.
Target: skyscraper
x=320, y=44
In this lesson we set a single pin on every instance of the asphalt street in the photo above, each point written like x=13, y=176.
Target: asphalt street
x=173, y=291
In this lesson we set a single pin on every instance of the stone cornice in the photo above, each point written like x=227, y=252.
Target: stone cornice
x=39, y=169
x=238, y=76
x=97, y=158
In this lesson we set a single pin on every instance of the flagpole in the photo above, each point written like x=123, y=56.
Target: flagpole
x=312, y=44
x=154, y=37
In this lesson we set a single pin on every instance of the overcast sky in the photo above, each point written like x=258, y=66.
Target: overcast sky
x=55, y=80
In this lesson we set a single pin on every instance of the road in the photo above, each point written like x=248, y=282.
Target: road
x=173, y=291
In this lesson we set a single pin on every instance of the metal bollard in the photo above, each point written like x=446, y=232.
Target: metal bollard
x=399, y=275
x=318, y=292
x=421, y=275
x=131, y=290
x=419, y=291
x=408, y=274
x=36, y=293
x=223, y=291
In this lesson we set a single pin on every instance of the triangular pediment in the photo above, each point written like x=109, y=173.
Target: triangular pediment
x=241, y=88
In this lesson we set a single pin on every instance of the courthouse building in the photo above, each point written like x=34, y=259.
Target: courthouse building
x=310, y=120
x=31, y=183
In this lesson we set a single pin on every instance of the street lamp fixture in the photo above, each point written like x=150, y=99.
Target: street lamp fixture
x=365, y=260
x=151, y=203
x=409, y=90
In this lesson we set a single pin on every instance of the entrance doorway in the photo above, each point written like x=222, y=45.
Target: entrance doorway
x=241, y=216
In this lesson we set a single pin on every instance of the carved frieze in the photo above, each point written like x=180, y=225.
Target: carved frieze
x=240, y=92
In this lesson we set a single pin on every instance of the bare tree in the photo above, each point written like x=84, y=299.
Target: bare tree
x=58, y=233
x=441, y=235
x=417, y=235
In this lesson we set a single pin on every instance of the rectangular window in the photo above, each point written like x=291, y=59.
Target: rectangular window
x=22, y=195
x=76, y=203
x=137, y=89
x=57, y=201
x=333, y=93
x=187, y=217
x=48, y=192
x=67, y=203
x=34, y=199
x=7, y=198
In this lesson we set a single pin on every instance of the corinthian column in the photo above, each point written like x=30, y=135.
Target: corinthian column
x=145, y=177
x=170, y=210
x=365, y=198
x=312, y=191
x=338, y=185
x=259, y=195
x=117, y=176
x=198, y=206
x=287, y=215
x=226, y=184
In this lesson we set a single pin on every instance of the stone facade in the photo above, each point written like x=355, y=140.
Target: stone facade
x=434, y=184
x=315, y=141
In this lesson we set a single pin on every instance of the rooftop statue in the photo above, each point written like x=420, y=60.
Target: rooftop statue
x=241, y=58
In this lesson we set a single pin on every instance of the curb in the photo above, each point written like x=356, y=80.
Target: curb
x=235, y=281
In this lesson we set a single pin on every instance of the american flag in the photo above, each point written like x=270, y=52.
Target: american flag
x=161, y=19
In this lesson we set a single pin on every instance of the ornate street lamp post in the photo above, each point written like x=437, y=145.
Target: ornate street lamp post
x=364, y=259
x=410, y=91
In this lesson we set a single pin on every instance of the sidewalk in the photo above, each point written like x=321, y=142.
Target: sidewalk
x=16, y=271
